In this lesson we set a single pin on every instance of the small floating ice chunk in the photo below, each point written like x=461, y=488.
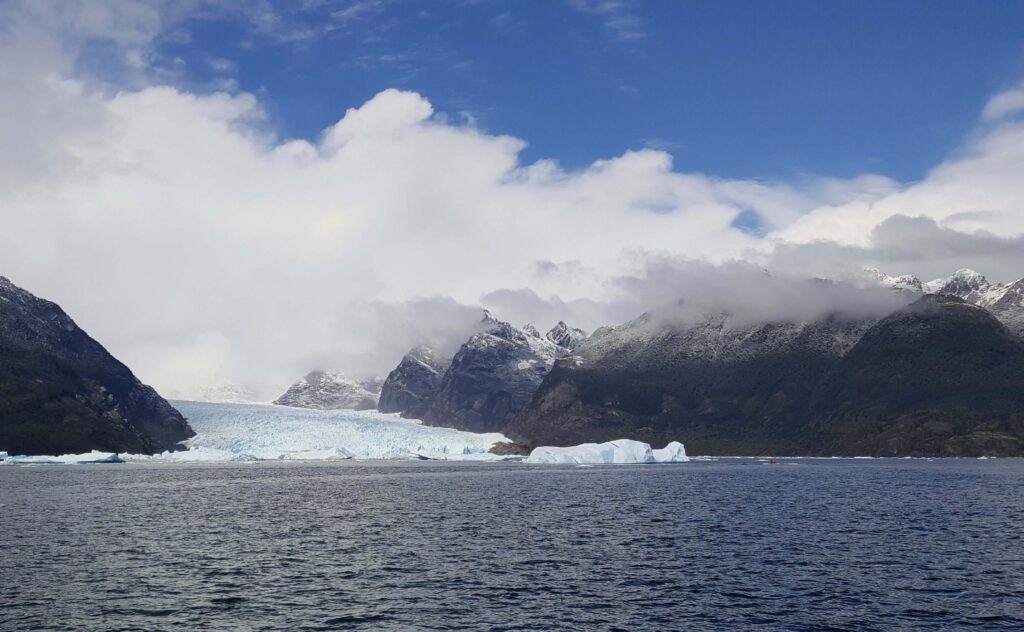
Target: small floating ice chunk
x=94, y=456
x=674, y=452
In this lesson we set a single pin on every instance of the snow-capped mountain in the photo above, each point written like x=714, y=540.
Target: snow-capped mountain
x=1004, y=300
x=648, y=378
x=492, y=376
x=323, y=390
x=936, y=377
x=906, y=282
x=410, y=388
x=565, y=336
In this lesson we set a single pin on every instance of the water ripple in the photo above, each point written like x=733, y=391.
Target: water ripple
x=828, y=545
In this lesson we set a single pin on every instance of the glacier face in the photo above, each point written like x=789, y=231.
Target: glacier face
x=621, y=451
x=256, y=432
x=262, y=431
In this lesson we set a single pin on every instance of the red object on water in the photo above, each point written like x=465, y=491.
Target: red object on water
x=774, y=462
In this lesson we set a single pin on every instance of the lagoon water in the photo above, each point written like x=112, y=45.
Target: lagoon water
x=731, y=544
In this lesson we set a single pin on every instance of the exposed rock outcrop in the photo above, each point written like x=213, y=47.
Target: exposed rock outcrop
x=323, y=390
x=491, y=377
x=940, y=377
x=411, y=387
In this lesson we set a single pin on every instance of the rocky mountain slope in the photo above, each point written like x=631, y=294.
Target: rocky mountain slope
x=566, y=337
x=411, y=387
x=322, y=390
x=1004, y=300
x=721, y=385
x=493, y=374
x=491, y=377
x=62, y=392
x=939, y=377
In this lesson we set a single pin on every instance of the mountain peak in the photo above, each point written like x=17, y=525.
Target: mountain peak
x=898, y=282
x=565, y=336
x=961, y=283
x=325, y=390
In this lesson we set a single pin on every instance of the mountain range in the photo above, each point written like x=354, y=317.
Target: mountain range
x=937, y=372
x=939, y=376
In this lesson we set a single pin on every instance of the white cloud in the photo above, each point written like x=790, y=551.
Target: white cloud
x=621, y=17
x=191, y=243
x=1004, y=104
x=979, y=188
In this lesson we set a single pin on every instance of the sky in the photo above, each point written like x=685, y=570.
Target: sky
x=239, y=192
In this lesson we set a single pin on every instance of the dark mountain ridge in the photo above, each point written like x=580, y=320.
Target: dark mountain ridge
x=490, y=378
x=939, y=377
x=62, y=392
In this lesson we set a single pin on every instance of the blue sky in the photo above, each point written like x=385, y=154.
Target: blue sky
x=734, y=89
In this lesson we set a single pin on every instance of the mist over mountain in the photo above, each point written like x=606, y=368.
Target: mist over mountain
x=935, y=377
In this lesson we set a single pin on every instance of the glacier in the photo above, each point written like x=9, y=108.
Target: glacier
x=621, y=451
x=233, y=432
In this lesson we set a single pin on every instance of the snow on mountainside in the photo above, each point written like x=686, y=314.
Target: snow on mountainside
x=901, y=282
x=968, y=285
x=1004, y=300
x=565, y=336
x=322, y=390
x=654, y=339
x=410, y=388
x=494, y=374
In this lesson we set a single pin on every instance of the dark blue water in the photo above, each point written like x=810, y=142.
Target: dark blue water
x=840, y=545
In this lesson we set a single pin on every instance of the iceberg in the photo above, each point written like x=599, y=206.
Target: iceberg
x=618, y=451
x=674, y=452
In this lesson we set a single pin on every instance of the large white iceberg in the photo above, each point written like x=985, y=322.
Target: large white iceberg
x=618, y=451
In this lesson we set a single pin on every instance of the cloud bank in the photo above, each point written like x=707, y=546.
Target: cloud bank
x=200, y=248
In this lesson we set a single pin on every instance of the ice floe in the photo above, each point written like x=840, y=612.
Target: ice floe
x=63, y=459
